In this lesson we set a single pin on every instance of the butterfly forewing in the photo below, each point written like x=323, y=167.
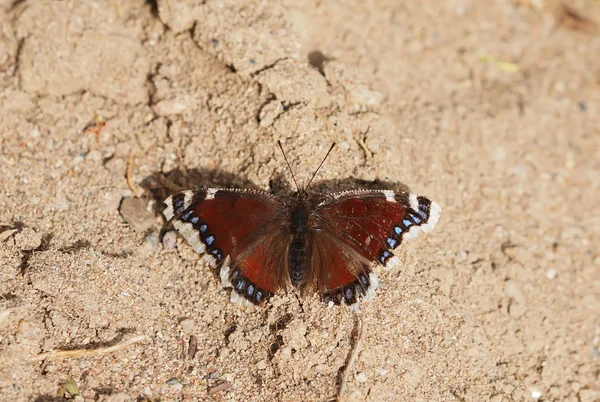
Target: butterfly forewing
x=374, y=223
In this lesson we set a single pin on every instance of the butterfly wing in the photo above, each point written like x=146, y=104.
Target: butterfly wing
x=241, y=230
x=259, y=271
x=371, y=224
x=339, y=272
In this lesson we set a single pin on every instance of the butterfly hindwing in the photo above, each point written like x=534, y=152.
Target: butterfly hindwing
x=341, y=273
x=259, y=271
x=374, y=223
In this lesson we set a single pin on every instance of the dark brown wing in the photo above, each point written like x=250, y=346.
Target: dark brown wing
x=366, y=226
x=259, y=270
x=338, y=271
x=240, y=229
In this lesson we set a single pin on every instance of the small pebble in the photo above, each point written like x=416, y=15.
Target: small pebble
x=187, y=325
x=169, y=240
x=175, y=383
x=94, y=156
x=77, y=160
x=224, y=386
x=361, y=377
x=171, y=107
x=150, y=243
x=172, y=381
x=134, y=212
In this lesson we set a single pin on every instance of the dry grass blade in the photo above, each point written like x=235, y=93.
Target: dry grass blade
x=62, y=354
x=130, y=166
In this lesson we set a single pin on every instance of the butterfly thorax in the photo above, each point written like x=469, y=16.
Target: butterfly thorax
x=297, y=255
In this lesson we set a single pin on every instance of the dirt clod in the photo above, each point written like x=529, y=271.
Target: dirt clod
x=134, y=212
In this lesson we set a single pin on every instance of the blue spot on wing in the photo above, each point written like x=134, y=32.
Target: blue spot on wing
x=259, y=295
x=178, y=204
x=385, y=255
x=423, y=214
x=407, y=223
x=217, y=254
x=417, y=220
x=209, y=240
x=186, y=216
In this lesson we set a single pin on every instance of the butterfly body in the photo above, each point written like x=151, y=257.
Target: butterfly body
x=298, y=251
x=262, y=243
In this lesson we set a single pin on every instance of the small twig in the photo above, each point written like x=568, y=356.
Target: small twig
x=192, y=346
x=224, y=386
x=59, y=354
x=130, y=166
x=355, y=351
x=363, y=144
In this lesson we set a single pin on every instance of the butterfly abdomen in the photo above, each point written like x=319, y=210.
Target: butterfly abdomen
x=297, y=257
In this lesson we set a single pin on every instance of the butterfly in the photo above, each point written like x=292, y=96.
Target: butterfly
x=263, y=243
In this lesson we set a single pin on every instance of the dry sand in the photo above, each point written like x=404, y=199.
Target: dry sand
x=490, y=108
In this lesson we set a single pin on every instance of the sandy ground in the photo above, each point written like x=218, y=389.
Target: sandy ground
x=490, y=108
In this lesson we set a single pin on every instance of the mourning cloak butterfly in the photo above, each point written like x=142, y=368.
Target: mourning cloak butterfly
x=263, y=243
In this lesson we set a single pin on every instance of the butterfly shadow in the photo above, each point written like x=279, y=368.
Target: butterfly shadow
x=353, y=183
x=158, y=186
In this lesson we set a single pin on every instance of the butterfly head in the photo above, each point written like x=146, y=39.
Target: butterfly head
x=301, y=197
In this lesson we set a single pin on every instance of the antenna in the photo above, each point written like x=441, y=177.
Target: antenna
x=323, y=161
x=288, y=163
